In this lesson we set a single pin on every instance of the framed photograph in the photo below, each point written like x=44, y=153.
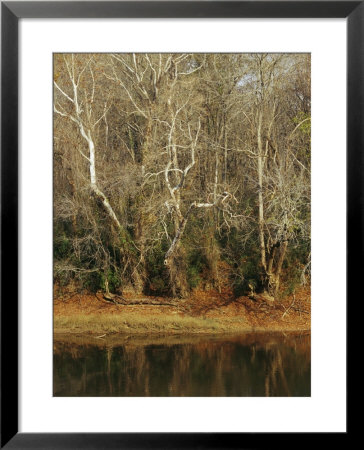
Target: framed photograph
x=181, y=225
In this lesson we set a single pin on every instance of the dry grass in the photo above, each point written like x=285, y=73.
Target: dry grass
x=202, y=313
x=132, y=323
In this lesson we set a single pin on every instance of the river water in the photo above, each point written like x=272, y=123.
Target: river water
x=249, y=365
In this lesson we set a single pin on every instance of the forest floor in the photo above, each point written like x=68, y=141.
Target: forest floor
x=203, y=312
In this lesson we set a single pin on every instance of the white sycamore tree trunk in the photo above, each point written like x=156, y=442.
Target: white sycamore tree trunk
x=82, y=116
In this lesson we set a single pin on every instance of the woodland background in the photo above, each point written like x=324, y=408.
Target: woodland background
x=182, y=171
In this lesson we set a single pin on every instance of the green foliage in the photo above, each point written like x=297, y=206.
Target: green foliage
x=92, y=281
x=126, y=240
x=62, y=247
x=247, y=276
x=305, y=126
x=244, y=259
x=196, y=264
x=295, y=261
x=292, y=280
x=114, y=280
x=157, y=282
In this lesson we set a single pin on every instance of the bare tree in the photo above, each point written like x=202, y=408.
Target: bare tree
x=163, y=158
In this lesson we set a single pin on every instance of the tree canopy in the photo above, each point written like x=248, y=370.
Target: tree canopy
x=177, y=171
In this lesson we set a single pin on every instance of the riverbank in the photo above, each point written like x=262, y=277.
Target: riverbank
x=202, y=313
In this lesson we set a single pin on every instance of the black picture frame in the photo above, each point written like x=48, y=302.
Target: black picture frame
x=11, y=12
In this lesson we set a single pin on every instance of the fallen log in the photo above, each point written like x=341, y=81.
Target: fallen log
x=147, y=303
x=119, y=300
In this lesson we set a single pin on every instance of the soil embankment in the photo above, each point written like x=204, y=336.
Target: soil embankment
x=203, y=312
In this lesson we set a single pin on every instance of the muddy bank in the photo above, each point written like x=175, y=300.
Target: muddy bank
x=202, y=313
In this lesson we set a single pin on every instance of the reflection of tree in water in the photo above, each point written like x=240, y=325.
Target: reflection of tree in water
x=180, y=373
x=274, y=369
x=109, y=355
x=135, y=373
x=228, y=367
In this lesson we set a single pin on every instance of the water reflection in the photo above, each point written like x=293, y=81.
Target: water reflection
x=249, y=365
